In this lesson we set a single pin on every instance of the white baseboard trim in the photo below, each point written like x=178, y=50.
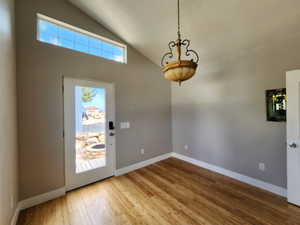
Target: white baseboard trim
x=249, y=180
x=15, y=217
x=142, y=164
x=36, y=200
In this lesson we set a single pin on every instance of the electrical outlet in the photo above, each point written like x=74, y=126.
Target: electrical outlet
x=142, y=151
x=261, y=166
x=186, y=147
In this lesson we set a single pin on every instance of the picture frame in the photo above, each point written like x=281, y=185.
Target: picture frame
x=276, y=105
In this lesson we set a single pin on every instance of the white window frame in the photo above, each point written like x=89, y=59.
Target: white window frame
x=81, y=31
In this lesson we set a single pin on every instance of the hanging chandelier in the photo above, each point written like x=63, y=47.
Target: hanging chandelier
x=175, y=67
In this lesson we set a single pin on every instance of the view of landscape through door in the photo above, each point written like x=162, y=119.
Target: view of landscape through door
x=293, y=136
x=89, y=131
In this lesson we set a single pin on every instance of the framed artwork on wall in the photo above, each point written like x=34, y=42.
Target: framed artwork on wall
x=276, y=105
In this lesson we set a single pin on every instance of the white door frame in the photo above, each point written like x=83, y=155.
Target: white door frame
x=293, y=136
x=109, y=117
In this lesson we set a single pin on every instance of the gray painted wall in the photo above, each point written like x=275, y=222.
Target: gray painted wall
x=8, y=115
x=221, y=112
x=143, y=97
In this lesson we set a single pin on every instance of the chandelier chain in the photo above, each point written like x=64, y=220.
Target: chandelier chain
x=178, y=19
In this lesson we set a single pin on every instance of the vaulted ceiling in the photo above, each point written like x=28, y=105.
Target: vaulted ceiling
x=215, y=27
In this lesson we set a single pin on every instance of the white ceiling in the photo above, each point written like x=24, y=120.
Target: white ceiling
x=215, y=27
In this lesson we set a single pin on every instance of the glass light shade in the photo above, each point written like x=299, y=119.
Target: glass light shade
x=180, y=70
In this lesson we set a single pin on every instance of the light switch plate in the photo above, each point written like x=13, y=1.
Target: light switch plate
x=124, y=125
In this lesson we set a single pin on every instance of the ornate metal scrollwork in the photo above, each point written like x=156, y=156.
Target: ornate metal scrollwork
x=169, y=54
x=188, y=51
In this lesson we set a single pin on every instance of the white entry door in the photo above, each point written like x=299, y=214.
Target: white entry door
x=293, y=136
x=89, y=131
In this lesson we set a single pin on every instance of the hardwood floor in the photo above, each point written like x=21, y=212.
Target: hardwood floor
x=169, y=192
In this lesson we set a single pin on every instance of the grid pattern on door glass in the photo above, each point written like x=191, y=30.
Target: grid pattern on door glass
x=63, y=37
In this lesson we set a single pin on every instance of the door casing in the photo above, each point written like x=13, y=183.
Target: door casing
x=293, y=136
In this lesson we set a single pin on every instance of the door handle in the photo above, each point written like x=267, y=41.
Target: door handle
x=293, y=145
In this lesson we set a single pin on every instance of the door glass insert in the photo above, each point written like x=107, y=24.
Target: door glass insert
x=90, y=145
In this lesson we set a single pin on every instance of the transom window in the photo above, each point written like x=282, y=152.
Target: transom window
x=57, y=33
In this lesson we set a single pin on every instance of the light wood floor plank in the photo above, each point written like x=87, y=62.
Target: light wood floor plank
x=171, y=192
